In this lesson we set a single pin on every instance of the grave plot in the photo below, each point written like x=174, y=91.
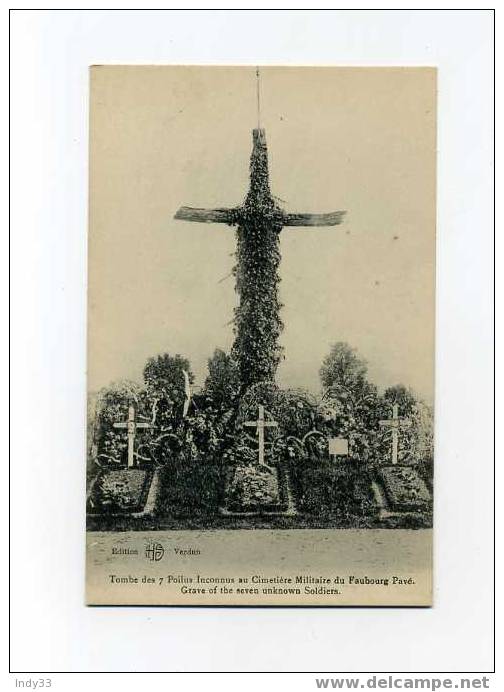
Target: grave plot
x=255, y=490
x=121, y=491
x=209, y=468
x=405, y=490
x=257, y=487
x=190, y=490
x=334, y=493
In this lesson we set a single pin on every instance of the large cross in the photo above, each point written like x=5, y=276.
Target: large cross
x=260, y=424
x=131, y=426
x=395, y=424
x=259, y=221
x=231, y=216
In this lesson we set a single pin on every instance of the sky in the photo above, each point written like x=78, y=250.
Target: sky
x=356, y=139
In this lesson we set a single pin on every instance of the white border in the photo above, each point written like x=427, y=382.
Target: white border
x=51, y=628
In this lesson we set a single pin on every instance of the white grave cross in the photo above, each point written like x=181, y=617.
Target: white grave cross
x=395, y=424
x=260, y=424
x=131, y=426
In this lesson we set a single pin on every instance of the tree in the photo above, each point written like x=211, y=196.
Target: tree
x=353, y=399
x=344, y=377
x=403, y=397
x=223, y=382
x=165, y=384
x=342, y=368
x=164, y=377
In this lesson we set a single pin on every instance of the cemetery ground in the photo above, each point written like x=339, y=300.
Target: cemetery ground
x=164, y=458
x=325, y=493
x=242, y=453
x=238, y=451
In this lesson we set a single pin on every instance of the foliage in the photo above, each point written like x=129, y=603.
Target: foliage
x=293, y=409
x=112, y=407
x=403, y=397
x=164, y=378
x=120, y=491
x=350, y=403
x=201, y=435
x=253, y=489
x=165, y=386
x=342, y=369
x=243, y=451
x=352, y=408
x=339, y=490
x=222, y=385
x=257, y=323
x=416, y=442
x=424, y=422
x=113, y=399
x=159, y=403
x=404, y=487
x=190, y=488
x=424, y=418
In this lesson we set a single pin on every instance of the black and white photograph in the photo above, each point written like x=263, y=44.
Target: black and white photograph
x=252, y=392
x=261, y=327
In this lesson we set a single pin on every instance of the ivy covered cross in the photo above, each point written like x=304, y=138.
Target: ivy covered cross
x=259, y=220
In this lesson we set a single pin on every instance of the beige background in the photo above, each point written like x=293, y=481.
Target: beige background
x=49, y=128
x=360, y=139
x=370, y=555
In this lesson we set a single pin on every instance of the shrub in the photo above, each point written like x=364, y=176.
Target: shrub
x=333, y=488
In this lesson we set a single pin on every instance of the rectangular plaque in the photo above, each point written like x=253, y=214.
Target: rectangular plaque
x=338, y=446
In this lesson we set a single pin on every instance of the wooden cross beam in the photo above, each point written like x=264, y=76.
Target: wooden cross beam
x=332, y=218
x=232, y=216
x=395, y=424
x=260, y=424
x=204, y=215
x=131, y=425
x=221, y=215
x=259, y=221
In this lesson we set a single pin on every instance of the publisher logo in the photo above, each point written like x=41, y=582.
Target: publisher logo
x=154, y=552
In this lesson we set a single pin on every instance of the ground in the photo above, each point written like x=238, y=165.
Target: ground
x=371, y=553
x=119, y=491
x=326, y=494
x=404, y=488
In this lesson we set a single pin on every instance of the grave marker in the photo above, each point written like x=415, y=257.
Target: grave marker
x=338, y=446
x=260, y=424
x=395, y=424
x=131, y=426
